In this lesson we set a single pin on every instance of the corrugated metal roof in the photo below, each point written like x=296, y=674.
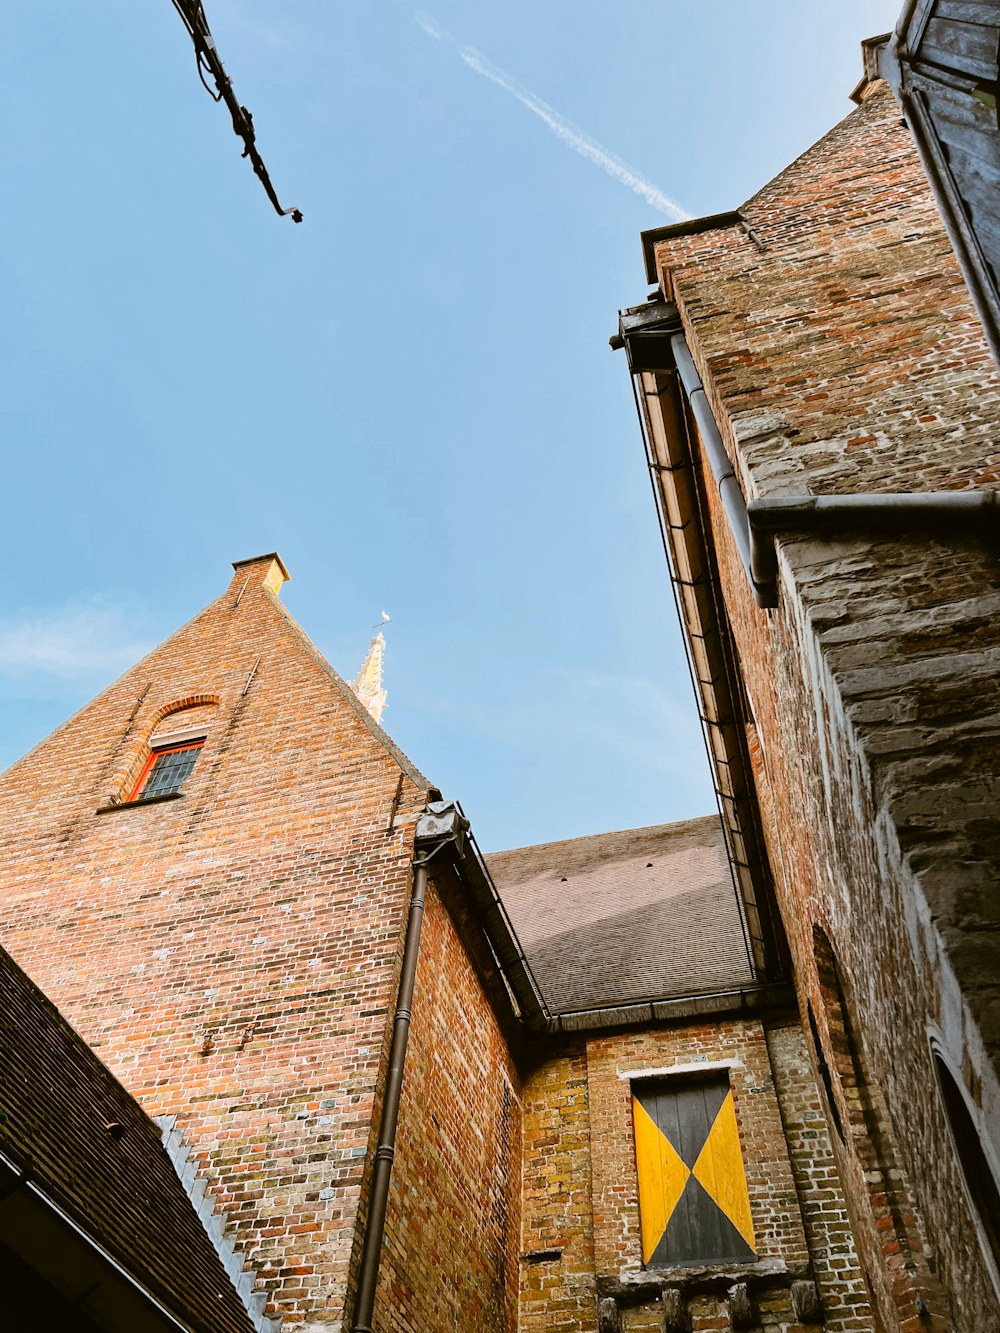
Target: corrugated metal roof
x=627, y=916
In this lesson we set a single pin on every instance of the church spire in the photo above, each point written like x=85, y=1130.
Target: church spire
x=368, y=682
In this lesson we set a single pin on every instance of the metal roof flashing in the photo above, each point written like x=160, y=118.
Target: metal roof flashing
x=652, y=237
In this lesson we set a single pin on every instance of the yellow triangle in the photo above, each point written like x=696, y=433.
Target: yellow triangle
x=662, y=1177
x=719, y=1169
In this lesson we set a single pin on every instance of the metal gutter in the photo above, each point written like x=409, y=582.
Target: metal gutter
x=470, y=867
x=679, y=1009
x=123, y=1298
x=646, y=333
x=670, y=403
x=730, y=491
x=442, y=829
x=887, y=512
x=654, y=328
x=528, y=1003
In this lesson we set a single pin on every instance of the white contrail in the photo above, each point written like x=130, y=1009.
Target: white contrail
x=562, y=128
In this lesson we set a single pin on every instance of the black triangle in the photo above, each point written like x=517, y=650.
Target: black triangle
x=699, y=1232
x=685, y=1112
x=715, y=1094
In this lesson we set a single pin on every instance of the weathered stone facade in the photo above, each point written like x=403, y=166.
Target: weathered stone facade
x=840, y=355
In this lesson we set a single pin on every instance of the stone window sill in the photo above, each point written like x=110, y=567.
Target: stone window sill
x=114, y=807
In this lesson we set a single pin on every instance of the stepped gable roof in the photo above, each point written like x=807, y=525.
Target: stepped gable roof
x=73, y=1135
x=617, y=918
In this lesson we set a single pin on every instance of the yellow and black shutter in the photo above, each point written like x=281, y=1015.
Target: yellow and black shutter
x=693, y=1201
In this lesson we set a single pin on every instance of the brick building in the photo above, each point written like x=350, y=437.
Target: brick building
x=595, y=1100
x=652, y=1000
x=692, y=1078
x=821, y=415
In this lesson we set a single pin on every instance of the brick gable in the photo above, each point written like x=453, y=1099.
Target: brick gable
x=231, y=953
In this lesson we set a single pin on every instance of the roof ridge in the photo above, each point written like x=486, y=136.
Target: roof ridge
x=609, y=833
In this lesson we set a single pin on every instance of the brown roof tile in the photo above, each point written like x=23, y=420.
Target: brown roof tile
x=620, y=917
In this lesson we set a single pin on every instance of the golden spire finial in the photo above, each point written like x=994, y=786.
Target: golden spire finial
x=368, y=682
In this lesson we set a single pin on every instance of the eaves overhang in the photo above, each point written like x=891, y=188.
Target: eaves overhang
x=70, y=1259
x=675, y=1010
x=690, y=227
x=445, y=828
x=653, y=338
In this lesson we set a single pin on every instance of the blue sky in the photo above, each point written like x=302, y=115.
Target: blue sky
x=410, y=395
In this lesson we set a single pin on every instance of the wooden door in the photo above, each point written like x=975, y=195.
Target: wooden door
x=693, y=1201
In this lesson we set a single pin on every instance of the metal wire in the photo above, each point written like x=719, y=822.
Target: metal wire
x=210, y=66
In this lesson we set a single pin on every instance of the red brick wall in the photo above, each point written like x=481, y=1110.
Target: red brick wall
x=231, y=954
x=841, y=354
x=450, y=1257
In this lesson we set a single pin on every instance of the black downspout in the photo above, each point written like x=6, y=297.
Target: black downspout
x=378, y=1199
x=730, y=491
x=442, y=825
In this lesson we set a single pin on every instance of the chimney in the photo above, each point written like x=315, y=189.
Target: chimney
x=261, y=570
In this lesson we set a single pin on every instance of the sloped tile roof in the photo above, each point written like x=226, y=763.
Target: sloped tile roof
x=117, y=1184
x=617, y=918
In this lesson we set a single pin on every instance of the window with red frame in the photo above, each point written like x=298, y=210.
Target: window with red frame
x=166, y=769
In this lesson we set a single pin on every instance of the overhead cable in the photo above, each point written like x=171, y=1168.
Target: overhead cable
x=210, y=66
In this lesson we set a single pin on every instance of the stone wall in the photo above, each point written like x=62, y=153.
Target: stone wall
x=841, y=354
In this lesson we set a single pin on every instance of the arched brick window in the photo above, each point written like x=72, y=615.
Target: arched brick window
x=839, y=1059
x=826, y=1078
x=861, y=1121
x=166, y=769
x=177, y=738
x=980, y=1179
